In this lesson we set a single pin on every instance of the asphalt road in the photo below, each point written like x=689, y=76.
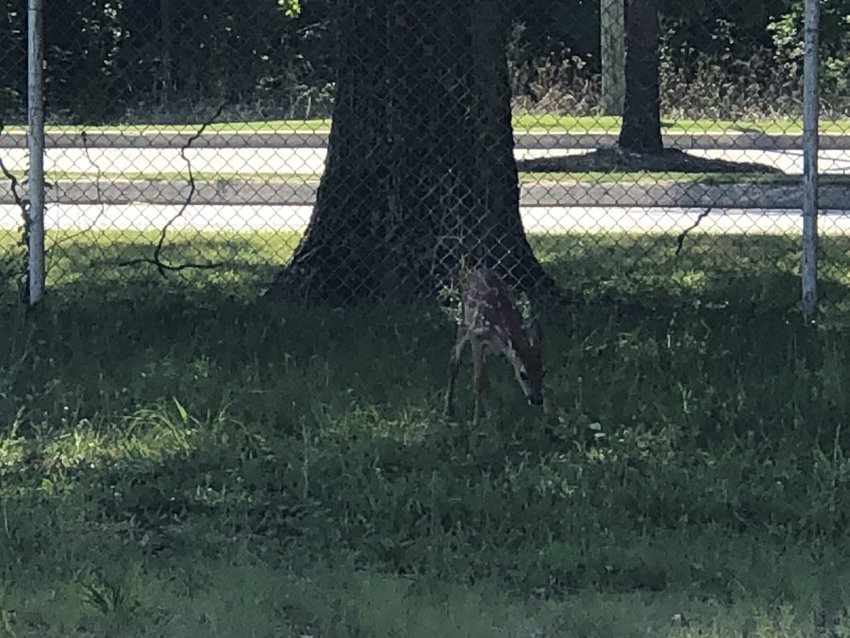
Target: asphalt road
x=109, y=202
x=536, y=219
x=310, y=161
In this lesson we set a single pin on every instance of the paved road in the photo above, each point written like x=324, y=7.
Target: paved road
x=538, y=139
x=552, y=219
x=298, y=191
x=552, y=207
x=311, y=160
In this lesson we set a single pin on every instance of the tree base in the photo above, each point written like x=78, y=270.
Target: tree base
x=668, y=160
x=310, y=279
x=420, y=180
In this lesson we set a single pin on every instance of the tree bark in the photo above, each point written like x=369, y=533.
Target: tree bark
x=420, y=176
x=641, y=129
x=612, y=41
x=166, y=78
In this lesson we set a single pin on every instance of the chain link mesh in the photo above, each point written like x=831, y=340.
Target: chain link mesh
x=190, y=141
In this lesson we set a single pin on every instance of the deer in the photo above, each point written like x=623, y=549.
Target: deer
x=492, y=324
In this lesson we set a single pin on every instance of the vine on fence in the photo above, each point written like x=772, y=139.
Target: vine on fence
x=156, y=259
x=23, y=204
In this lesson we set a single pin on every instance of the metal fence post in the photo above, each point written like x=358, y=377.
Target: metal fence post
x=810, y=159
x=35, y=142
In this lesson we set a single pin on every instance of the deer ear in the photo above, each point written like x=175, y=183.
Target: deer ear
x=535, y=334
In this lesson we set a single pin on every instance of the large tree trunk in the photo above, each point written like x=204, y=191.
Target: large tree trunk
x=420, y=176
x=641, y=130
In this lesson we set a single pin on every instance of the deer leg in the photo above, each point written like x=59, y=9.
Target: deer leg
x=479, y=378
x=454, y=365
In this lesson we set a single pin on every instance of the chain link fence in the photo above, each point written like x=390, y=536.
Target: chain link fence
x=191, y=141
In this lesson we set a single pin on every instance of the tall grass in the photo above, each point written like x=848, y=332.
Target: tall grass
x=181, y=459
x=693, y=84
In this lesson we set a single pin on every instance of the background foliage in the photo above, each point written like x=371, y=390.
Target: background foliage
x=115, y=60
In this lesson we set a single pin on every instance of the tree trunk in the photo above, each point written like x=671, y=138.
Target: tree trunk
x=166, y=79
x=612, y=44
x=641, y=130
x=420, y=176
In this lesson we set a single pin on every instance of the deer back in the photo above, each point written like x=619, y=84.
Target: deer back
x=492, y=318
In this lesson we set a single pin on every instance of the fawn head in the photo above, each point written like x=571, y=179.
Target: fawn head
x=492, y=323
x=526, y=356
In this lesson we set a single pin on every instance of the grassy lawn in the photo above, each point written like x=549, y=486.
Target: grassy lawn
x=522, y=122
x=541, y=122
x=181, y=458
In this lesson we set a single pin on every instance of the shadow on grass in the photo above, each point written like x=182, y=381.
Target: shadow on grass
x=627, y=266
x=696, y=445
x=748, y=129
x=616, y=160
x=738, y=273
x=752, y=275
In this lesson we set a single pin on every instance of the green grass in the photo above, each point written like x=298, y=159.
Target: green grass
x=283, y=126
x=180, y=458
x=611, y=124
x=522, y=122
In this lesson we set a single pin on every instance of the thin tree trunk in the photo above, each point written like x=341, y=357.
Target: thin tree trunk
x=420, y=175
x=167, y=43
x=613, y=55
